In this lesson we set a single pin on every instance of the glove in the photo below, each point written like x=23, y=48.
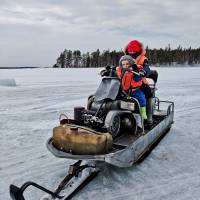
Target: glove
x=142, y=73
x=108, y=67
x=134, y=67
x=104, y=72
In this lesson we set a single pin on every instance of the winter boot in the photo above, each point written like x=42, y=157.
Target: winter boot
x=143, y=112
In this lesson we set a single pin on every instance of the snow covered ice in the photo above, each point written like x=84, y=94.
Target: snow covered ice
x=7, y=82
x=29, y=111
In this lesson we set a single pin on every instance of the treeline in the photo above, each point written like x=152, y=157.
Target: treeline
x=167, y=56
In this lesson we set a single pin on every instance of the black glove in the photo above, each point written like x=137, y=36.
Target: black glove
x=108, y=67
x=106, y=71
x=134, y=67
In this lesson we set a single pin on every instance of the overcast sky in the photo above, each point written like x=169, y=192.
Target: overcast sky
x=33, y=33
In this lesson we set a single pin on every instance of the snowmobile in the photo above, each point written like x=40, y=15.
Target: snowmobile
x=110, y=130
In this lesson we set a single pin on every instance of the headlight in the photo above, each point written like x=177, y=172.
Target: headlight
x=127, y=105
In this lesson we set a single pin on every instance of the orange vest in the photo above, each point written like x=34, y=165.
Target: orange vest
x=141, y=58
x=127, y=81
x=140, y=61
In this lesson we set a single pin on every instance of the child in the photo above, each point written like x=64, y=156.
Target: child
x=132, y=81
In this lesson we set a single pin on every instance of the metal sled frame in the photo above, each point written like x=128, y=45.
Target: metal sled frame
x=129, y=153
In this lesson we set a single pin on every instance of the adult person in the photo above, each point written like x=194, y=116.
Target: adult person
x=136, y=50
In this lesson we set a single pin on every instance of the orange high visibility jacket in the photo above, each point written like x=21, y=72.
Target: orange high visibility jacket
x=128, y=80
x=140, y=61
x=141, y=58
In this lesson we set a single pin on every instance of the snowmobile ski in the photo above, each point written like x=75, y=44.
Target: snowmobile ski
x=78, y=176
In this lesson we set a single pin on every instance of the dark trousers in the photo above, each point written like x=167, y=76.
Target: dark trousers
x=146, y=90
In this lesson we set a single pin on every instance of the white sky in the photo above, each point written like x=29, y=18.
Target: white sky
x=33, y=33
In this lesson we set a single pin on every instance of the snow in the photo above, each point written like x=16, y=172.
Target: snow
x=29, y=111
x=7, y=82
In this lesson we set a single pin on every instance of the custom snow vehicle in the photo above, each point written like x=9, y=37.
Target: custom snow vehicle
x=109, y=130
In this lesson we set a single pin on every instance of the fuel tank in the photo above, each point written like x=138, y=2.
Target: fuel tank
x=81, y=140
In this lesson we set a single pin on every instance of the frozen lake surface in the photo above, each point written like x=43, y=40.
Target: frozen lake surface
x=30, y=110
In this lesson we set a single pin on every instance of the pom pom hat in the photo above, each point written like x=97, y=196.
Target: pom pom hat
x=134, y=46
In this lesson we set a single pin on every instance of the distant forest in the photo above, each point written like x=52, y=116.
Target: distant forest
x=157, y=57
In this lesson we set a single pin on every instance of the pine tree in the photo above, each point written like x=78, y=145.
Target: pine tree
x=161, y=56
x=68, y=59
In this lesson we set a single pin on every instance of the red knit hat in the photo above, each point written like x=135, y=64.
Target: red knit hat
x=135, y=46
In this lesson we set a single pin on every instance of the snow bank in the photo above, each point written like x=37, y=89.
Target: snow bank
x=8, y=82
